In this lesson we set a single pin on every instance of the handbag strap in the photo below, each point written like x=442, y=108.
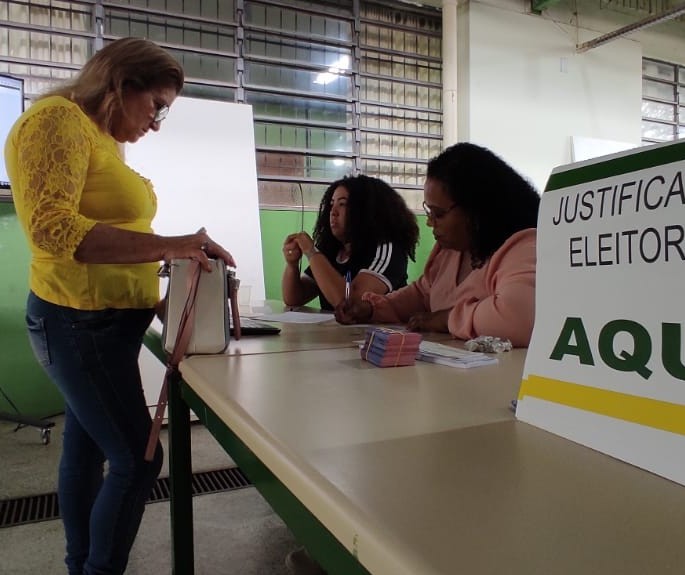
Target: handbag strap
x=183, y=335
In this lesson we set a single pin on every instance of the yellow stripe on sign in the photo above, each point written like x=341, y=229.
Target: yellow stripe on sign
x=643, y=410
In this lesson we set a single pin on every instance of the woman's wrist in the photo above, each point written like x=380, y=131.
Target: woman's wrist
x=311, y=253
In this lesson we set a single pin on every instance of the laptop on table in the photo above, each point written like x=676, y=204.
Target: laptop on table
x=251, y=326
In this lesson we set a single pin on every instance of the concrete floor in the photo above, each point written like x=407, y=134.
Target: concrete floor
x=236, y=532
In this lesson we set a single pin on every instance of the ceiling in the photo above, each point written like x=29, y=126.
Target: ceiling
x=643, y=13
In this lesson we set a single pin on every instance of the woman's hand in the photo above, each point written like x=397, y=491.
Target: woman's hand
x=429, y=321
x=304, y=242
x=198, y=246
x=291, y=250
x=214, y=250
x=353, y=311
x=357, y=310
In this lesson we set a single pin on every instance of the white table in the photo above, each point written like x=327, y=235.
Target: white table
x=420, y=470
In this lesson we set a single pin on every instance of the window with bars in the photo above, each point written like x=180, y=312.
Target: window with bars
x=333, y=92
x=200, y=34
x=400, y=95
x=299, y=80
x=663, y=101
x=44, y=42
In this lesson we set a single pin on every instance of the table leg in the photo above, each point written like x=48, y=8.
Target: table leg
x=180, y=475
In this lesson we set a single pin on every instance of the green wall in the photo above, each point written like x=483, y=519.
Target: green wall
x=276, y=224
x=21, y=378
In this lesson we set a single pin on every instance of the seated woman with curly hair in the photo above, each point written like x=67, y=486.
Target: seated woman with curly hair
x=364, y=228
x=480, y=276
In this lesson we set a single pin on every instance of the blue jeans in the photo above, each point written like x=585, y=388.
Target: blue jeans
x=92, y=357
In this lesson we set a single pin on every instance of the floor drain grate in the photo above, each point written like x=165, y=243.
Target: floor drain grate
x=204, y=483
x=45, y=507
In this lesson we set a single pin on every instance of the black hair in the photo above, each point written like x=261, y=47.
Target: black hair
x=497, y=200
x=376, y=213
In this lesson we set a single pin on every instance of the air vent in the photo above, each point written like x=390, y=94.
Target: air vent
x=45, y=507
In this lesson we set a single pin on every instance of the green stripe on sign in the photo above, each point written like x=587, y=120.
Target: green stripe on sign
x=649, y=158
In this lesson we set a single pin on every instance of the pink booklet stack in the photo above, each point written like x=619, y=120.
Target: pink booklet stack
x=387, y=347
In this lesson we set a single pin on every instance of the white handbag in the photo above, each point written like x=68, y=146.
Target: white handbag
x=210, y=326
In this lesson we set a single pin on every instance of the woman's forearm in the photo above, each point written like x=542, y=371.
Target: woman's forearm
x=105, y=244
x=295, y=291
x=330, y=283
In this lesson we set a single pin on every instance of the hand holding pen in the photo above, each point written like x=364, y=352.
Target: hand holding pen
x=352, y=311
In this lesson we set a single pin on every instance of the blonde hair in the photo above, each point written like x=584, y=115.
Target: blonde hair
x=133, y=63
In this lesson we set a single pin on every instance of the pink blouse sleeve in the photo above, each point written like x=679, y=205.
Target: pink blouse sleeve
x=506, y=306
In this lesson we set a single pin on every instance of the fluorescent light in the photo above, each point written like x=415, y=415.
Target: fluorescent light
x=325, y=78
x=334, y=71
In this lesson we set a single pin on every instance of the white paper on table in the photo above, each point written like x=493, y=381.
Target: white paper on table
x=446, y=355
x=296, y=317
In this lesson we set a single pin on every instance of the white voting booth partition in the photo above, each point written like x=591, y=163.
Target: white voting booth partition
x=203, y=168
x=605, y=366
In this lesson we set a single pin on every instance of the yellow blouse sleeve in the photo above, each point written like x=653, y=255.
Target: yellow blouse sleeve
x=53, y=153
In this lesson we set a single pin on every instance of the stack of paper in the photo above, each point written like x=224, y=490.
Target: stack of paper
x=386, y=347
x=445, y=355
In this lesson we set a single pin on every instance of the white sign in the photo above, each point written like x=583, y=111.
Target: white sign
x=605, y=366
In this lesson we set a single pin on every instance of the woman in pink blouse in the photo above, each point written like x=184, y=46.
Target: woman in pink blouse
x=480, y=276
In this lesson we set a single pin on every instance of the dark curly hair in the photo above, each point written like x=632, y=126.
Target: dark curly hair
x=497, y=200
x=375, y=214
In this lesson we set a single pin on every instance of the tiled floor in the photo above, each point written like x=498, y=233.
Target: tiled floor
x=236, y=532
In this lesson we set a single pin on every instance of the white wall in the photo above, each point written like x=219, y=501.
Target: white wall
x=664, y=42
x=530, y=92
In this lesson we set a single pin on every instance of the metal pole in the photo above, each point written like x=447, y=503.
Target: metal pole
x=630, y=28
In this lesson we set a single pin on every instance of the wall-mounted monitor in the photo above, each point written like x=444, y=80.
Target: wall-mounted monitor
x=11, y=107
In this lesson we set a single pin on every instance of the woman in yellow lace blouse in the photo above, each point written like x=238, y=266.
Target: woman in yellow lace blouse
x=93, y=284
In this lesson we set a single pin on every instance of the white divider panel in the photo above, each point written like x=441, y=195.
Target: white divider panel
x=203, y=168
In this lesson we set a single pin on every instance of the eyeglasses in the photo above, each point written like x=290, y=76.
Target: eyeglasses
x=161, y=113
x=436, y=213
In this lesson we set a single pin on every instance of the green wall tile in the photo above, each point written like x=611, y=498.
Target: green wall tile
x=22, y=379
